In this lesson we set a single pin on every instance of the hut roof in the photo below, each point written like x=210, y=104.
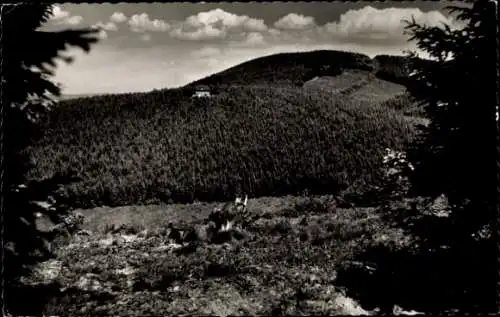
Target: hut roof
x=202, y=88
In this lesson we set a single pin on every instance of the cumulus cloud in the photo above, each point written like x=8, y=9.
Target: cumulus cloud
x=60, y=16
x=58, y=13
x=366, y=26
x=381, y=24
x=142, y=23
x=102, y=35
x=226, y=19
x=108, y=26
x=295, y=21
x=118, y=17
x=216, y=23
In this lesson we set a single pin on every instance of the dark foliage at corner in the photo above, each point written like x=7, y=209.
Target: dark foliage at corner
x=455, y=157
x=455, y=154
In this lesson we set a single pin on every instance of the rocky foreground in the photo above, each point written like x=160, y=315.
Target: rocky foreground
x=284, y=261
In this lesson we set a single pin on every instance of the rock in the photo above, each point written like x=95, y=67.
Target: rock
x=84, y=232
x=400, y=311
x=45, y=272
x=129, y=237
x=347, y=306
x=440, y=207
x=167, y=247
x=106, y=242
x=161, y=248
x=43, y=204
x=126, y=271
x=89, y=283
x=143, y=234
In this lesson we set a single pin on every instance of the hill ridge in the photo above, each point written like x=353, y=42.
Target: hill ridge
x=296, y=68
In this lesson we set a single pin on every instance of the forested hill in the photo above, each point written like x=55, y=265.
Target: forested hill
x=329, y=135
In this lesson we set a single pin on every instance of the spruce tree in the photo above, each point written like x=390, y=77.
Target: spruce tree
x=455, y=154
x=28, y=93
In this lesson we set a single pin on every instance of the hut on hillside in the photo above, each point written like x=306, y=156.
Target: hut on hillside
x=202, y=91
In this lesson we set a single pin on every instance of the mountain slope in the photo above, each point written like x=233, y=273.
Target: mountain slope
x=288, y=68
x=265, y=133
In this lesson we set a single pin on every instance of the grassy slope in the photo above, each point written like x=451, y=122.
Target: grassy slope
x=336, y=84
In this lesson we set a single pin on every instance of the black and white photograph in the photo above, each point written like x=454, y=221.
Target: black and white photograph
x=249, y=158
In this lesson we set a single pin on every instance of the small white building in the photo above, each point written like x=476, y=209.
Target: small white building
x=202, y=91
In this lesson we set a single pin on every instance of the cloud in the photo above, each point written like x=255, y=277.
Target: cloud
x=367, y=26
x=60, y=16
x=215, y=40
x=146, y=37
x=207, y=51
x=142, y=23
x=118, y=17
x=225, y=19
x=369, y=23
x=206, y=33
x=102, y=35
x=254, y=38
x=58, y=13
x=216, y=24
x=74, y=20
x=108, y=26
x=274, y=31
x=249, y=40
x=295, y=21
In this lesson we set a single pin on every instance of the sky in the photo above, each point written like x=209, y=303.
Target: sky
x=146, y=46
